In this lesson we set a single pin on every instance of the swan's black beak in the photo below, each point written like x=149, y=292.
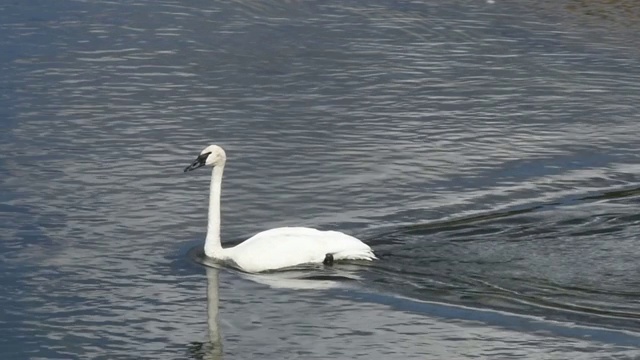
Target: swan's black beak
x=199, y=162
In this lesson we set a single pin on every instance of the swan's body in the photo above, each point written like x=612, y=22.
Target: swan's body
x=288, y=246
x=276, y=248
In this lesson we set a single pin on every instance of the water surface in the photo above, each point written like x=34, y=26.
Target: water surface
x=488, y=153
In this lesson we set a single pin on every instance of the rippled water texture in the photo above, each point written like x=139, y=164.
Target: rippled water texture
x=487, y=151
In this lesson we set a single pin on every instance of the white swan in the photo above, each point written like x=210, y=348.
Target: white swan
x=276, y=248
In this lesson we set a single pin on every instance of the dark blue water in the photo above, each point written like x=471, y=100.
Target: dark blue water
x=488, y=152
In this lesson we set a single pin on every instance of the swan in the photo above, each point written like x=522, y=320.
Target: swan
x=275, y=248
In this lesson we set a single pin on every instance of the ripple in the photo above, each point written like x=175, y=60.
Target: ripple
x=487, y=151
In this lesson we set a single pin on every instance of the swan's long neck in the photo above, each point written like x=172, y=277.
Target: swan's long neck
x=212, y=245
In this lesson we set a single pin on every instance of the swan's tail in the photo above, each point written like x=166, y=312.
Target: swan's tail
x=355, y=254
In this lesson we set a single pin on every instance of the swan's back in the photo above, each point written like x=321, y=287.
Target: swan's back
x=290, y=246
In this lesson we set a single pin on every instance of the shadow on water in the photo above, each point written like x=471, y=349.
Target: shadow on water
x=520, y=269
x=313, y=278
x=617, y=194
x=546, y=260
x=535, y=261
x=473, y=220
x=503, y=319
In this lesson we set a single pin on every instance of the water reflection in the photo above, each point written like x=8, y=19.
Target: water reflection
x=355, y=116
x=213, y=298
x=212, y=349
x=303, y=278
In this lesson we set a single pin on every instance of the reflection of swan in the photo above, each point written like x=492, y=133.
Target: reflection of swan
x=276, y=248
x=212, y=350
x=302, y=279
x=215, y=339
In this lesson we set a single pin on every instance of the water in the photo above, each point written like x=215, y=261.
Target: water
x=488, y=153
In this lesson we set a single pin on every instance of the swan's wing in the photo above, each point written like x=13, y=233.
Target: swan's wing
x=290, y=246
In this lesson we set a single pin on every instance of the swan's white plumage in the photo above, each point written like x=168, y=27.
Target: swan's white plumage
x=289, y=246
x=276, y=248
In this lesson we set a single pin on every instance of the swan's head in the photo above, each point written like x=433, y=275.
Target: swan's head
x=212, y=155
